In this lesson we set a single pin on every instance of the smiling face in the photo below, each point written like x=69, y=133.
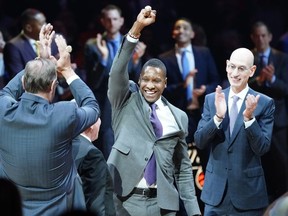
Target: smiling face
x=239, y=68
x=183, y=32
x=152, y=83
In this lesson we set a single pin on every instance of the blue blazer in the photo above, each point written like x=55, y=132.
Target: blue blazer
x=36, y=146
x=236, y=160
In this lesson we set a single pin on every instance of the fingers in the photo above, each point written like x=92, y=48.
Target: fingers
x=62, y=45
x=218, y=89
x=148, y=12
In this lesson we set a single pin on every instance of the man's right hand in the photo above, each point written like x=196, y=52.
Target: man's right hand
x=146, y=17
x=64, y=66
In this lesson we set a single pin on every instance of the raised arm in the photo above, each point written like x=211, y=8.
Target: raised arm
x=118, y=85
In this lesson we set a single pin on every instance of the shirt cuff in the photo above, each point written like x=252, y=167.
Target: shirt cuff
x=216, y=122
x=249, y=123
x=132, y=40
x=72, y=78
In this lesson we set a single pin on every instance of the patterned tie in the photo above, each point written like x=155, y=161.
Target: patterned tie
x=185, y=72
x=233, y=113
x=150, y=170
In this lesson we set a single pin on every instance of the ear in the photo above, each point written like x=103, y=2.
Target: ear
x=23, y=84
x=122, y=21
x=28, y=28
x=192, y=35
x=165, y=82
x=252, y=70
x=54, y=85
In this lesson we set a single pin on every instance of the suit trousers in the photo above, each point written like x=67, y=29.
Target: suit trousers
x=139, y=205
x=226, y=208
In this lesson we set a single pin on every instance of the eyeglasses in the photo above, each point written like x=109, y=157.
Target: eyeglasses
x=240, y=69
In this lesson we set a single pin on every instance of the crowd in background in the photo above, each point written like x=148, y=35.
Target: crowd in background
x=224, y=24
x=220, y=25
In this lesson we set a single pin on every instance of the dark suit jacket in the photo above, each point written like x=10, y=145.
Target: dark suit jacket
x=36, y=146
x=96, y=178
x=135, y=142
x=277, y=90
x=236, y=160
x=207, y=75
x=17, y=52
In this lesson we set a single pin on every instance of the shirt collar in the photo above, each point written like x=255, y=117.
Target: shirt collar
x=117, y=38
x=159, y=104
x=265, y=53
x=241, y=94
x=180, y=50
x=83, y=135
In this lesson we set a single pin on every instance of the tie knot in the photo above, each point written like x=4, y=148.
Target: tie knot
x=153, y=106
x=235, y=98
x=184, y=52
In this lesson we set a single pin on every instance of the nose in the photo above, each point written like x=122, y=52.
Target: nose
x=150, y=85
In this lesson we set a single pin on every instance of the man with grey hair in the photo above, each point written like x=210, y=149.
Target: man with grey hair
x=36, y=135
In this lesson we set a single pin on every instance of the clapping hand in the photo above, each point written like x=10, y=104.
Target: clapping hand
x=251, y=104
x=102, y=46
x=220, y=102
x=64, y=66
x=46, y=36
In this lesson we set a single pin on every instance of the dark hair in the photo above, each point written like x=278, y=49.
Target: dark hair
x=110, y=7
x=259, y=24
x=39, y=75
x=29, y=15
x=184, y=19
x=154, y=62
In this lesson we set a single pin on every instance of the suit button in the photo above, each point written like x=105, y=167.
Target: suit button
x=230, y=151
x=146, y=159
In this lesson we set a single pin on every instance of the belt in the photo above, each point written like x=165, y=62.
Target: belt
x=148, y=192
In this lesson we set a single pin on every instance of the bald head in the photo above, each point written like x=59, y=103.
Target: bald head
x=242, y=56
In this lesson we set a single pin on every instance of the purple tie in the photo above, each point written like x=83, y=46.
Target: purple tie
x=150, y=170
x=233, y=113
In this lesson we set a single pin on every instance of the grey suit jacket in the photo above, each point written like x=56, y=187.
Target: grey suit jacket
x=236, y=160
x=135, y=142
x=36, y=146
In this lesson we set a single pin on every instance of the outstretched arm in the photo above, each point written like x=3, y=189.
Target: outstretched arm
x=118, y=85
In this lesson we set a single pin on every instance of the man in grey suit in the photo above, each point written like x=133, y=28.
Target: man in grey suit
x=36, y=135
x=234, y=178
x=136, y=142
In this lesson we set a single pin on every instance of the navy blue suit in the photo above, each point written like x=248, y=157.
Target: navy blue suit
x=275, y=162
x=17, y=52
x=234, y=168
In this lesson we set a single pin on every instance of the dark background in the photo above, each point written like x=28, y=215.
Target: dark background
x=226, y=23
